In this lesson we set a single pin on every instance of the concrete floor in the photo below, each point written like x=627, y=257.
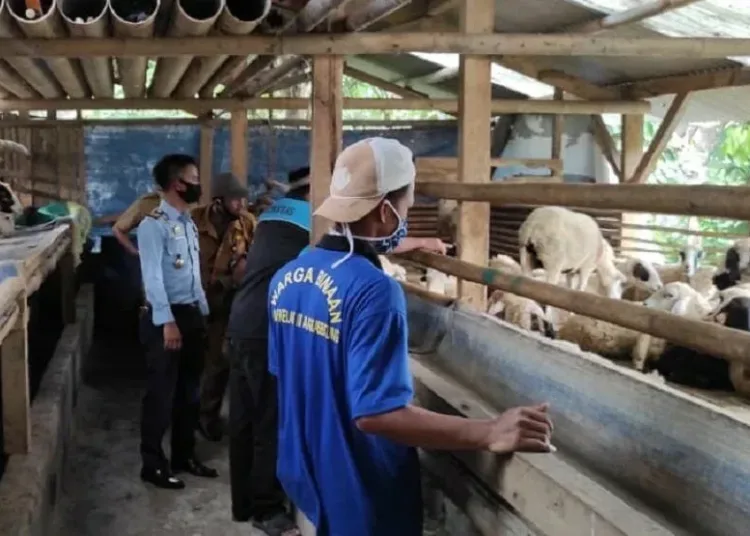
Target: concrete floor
x=103, y=494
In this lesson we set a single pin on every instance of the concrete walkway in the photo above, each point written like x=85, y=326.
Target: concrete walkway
x=103, y=494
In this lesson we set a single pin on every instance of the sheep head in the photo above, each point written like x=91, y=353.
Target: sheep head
x=673, y=297
x=645, y=275
x=9, y=202
x=690, y=258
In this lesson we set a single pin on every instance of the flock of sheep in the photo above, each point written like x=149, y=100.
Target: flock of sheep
x=556, y=242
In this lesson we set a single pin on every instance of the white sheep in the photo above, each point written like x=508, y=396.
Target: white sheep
x=677, y=298
x=396, y=271
x=505, y=263
x=522, y=312
x=10, y=209
x=690, y=257
x=702, y=281
x=12, y=146
x=565, y=242
x=441, y=283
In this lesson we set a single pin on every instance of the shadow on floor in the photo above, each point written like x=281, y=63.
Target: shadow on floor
x=102, y=493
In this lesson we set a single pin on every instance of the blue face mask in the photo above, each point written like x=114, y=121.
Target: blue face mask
x=389, y=243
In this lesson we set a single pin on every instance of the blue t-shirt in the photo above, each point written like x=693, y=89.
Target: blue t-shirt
x=338, y=347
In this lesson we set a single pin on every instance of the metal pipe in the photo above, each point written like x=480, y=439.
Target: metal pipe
x=48, y=25
x=35, y=73
x=191, y=18
x=136, y=20
x=239, y=17
x=90, y=18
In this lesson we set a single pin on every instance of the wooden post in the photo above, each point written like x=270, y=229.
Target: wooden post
x=15, y=384
x=632, y=152
x=558, y=130
x=477, y=16
x=206, y=160
x=325, y=134
x=68, y=284
x=238, y=144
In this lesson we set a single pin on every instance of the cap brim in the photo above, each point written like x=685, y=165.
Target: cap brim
x=346, y=210
x=237, y=193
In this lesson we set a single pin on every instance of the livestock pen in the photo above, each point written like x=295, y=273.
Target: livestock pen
x=635, y=456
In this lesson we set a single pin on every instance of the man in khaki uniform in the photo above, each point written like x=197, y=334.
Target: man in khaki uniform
x=225, y=231
x=133, y=215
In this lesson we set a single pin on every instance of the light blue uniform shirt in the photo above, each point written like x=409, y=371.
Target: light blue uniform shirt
x=170, y=266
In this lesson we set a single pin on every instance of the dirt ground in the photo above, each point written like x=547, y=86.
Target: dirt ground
x=103, y=494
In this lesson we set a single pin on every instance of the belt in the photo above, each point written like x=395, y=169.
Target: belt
x=193, y=305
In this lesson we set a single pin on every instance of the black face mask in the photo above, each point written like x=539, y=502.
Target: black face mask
x=191, y=193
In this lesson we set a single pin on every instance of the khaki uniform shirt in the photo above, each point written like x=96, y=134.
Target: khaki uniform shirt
x=219, y=254
x=134, y=214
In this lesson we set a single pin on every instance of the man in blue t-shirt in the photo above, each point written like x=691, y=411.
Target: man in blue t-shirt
x=338, y=347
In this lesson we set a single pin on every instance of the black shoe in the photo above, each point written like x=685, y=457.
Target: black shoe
x=195, y=468
x=161, y=478
x=213, y=430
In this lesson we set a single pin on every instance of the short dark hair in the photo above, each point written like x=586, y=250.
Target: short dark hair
x=170, y=167
x=297, y=175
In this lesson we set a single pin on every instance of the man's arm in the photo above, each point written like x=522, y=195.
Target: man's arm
x=430, y=244
x=150, y=240
x=380, y=391
x=125, y=223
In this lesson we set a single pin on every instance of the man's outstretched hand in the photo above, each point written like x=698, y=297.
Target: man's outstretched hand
x=522, y=429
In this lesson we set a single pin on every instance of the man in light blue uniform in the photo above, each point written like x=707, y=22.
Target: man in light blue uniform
x=173, y=326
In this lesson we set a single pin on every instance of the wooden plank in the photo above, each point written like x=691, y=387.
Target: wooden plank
x=606, y=144
x=485, y=43
x=67, y=266
x=474, y=128
x=544, y=490
x=326, y=134
x=446, y=167
x=734, y=77
x=206, y=161
x=632, y=152
x=558, y=130
x=238, y=144
x=15, y=380
x=667, y=127
x=629, y=16
x=497, y=107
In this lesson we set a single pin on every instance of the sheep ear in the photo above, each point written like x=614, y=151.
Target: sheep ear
x=680, y=307
x=640, y=272
x=496, y=308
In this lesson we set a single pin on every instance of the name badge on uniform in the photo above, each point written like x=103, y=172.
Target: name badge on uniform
x=176, y=230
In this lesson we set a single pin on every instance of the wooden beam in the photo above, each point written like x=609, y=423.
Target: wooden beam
x=632, y=152
x=629, y=16
x=206, y=160
x=326, y=135
x=686, y=83
x=446, y=167
x=487, y=43
x=474, y=129
x=498, y=107
x=606, y=144
x=730, y=202
x=67, y=267
x=558, y=130
x=238, y=144
x=167, y=121
x=392, y=87
x=719, y=341
x=667, y=127
x=14, y=362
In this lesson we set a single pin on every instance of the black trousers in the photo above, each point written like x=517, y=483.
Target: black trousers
x=253, y=431
x=172, y=384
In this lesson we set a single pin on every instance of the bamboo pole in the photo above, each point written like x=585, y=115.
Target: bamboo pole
x=90, y=19
x=239, y=17
x=501, y=106
x=191, y=18
x=732, y=202
x=730, y=344
x=27, y=68
x=48, y=28
x=131, y=21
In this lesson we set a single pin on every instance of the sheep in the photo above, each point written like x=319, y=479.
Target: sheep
x=505, y=263
x=396, y=271
x=10, y=209
x=565, y=242
x=698, y=369
x=440, y=283
x=736, y=265
x=725, y=296
x=12, y=146
x=522, y=312
x=690, y=258
x=677, y=298
x=447, y=222
x=702, y=281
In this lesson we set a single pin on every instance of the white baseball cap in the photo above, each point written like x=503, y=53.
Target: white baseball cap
x=364, y=173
